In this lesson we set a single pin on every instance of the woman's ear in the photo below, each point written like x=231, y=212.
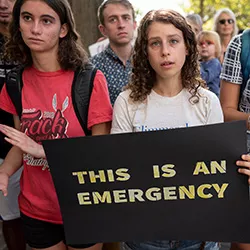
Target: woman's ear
x=64, y=30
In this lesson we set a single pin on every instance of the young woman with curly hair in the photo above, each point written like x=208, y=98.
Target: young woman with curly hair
x=44, y=39
x=166, y=91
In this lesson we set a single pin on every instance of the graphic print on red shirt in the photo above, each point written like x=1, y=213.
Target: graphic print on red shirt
x=50, y=125
x=48, y=113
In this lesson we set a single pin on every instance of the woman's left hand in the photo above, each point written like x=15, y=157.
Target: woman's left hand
x=245, y=163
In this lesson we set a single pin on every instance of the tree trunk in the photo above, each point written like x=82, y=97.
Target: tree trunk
x=85, y=12
x=202, y=8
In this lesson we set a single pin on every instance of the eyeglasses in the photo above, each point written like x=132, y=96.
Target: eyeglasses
x=207, y=43
x=229, y=21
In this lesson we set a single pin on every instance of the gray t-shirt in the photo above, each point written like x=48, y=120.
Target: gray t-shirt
x=9, y=209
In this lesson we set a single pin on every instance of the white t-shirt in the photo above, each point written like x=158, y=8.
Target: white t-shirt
x=9, y=209
x=160, y=112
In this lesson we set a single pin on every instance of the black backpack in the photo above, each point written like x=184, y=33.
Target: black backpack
x=81, y=91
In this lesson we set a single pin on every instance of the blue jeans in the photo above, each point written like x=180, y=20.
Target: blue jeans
x=170, y=245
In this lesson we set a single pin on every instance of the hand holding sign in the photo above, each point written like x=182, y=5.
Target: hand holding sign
x=245, y=164
x=21, y=140
x=135, y=197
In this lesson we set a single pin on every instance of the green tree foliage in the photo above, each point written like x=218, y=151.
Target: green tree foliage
x=207, y=9
x=138, y=14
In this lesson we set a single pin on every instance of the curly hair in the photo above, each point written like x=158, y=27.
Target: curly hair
x=143, y=75
x=71, y=54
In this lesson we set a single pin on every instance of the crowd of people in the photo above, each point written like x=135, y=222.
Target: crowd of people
x=174, y=68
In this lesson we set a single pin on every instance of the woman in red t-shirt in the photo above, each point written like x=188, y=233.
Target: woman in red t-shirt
x=44, y=39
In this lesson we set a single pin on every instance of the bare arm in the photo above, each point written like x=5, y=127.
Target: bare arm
x=13, y=160
x=11, y=163
x=21, y=141
x=229, y=101
x=101, y=129
x=17, y=124
x=25, y=144
x=229, y=97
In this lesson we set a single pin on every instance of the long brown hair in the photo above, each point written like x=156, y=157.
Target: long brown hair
x=71, y=54
x=143, y=76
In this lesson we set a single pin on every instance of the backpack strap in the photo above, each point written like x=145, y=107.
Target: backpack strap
x=245, y=59
x=81, y=92
x=14, y=84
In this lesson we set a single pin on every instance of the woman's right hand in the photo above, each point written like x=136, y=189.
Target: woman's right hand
x=4, y=181
x=22, y=141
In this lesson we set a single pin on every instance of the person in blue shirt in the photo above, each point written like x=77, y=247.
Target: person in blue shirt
x=209, y=50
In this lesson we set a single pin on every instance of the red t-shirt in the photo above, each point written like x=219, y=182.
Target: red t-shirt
x=48, y=113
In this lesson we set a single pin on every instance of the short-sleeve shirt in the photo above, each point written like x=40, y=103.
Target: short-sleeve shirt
x=210, y=72
x=48, y=113
x=116, y=73
x=232, y=72
x=162, y=113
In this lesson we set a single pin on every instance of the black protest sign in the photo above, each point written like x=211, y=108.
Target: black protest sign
x=175, y=184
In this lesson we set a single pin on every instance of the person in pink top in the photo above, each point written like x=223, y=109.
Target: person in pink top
x=44, y=39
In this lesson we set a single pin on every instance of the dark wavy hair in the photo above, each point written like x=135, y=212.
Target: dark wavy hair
x=143, y=75
x=71, y=54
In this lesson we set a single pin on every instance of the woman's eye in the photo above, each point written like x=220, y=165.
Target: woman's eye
x=173, y=41
x=27, y=18
x=46, y=21
x=155, y=44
